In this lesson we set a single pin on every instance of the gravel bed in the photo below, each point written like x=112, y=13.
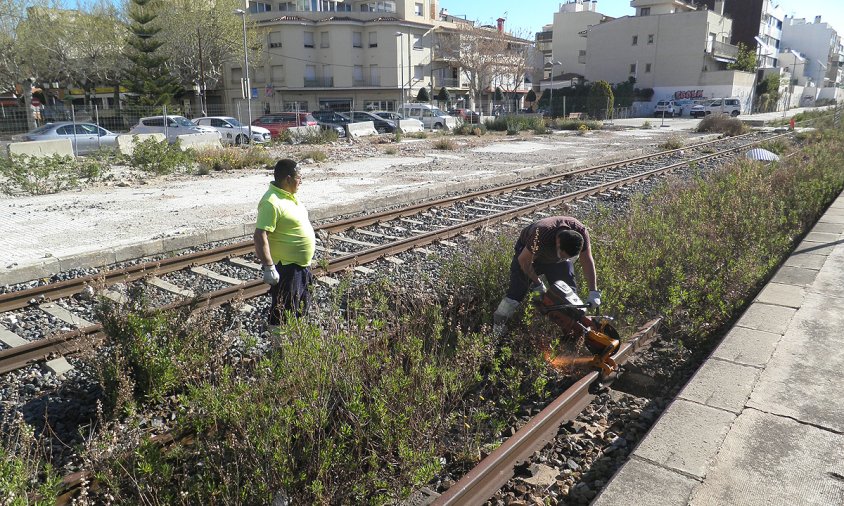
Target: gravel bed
x=33, y=324
x=191, y=281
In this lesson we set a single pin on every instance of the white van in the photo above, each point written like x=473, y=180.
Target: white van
x=731, y=106
x=430, y=116
x=176, y=126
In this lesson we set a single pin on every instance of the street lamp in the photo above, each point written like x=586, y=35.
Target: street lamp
x=245, y=86
x=401, y=64
x=551, y=93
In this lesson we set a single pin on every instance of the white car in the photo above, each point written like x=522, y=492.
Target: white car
x=430, y=116
x=233, y=131
x=176, y=126
x=731, y=106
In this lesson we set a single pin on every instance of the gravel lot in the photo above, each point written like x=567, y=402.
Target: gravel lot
x=357, y=176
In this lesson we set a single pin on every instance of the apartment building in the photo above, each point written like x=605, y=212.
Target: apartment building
x=756, y=23
x=820, y=45
x=674, y=47
x=348, y=55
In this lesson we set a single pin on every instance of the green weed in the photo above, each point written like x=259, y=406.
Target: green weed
x=33, y=175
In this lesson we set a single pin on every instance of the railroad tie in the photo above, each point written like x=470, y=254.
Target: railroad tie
x=394, y=260
x=208, y=273
x=169, y=287
x=376, y=235
x=343, y=238
x=60, y=365
x=242, y=262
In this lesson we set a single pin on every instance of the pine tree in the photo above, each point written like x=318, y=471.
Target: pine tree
x=147, y=77
x=422, y=96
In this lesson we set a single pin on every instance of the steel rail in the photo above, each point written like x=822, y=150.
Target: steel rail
x=481, y=482
x=21, y=356
x=21, y=298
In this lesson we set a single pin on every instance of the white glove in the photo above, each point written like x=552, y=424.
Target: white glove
x=270, y=275
x=594, y=299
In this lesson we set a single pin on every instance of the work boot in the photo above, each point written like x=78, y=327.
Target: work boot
x=502, y=315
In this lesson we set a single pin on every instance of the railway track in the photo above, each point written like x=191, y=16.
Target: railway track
x=343, y=244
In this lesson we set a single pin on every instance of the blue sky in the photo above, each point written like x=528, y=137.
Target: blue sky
x=530, y=15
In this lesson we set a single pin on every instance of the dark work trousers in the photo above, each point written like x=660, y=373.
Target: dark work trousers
x=520, y=284
x=291, y=293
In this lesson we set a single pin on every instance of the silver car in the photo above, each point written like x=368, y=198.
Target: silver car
x=84, y=137
x=233, y=131
x=176, y=126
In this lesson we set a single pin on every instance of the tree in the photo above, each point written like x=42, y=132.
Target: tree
x=530, y=97
x=600, y=98
x=148, y=77
x=423, y=96
x=768, y=92
x=210, y=29
x=443, y=96
x=476, y=51
x=499, y=94
x=746, y=59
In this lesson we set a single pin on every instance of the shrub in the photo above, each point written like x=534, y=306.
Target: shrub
x=309, y=136
x=418, y=135
x=673, y=142
x=646, y=125
x=515, y=124
x=391, y=151
x=575, y=124
x=159, y=157
x=722, y=124
x=315, y=155
x=230, y=158
x=444, y=143
x=466, y=128
x=25, y=476
x=34, y=175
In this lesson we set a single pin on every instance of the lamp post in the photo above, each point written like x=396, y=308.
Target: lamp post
x=401, y=64
x=551, y=91
x=247, y=89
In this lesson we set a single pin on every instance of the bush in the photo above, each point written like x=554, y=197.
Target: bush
x=515, y=124
x=159, y=157
x=315, y=155
x=673, y=142
x=444, y=143
x=722, y=124
x=40, y=175
x=466, y=128
x=575, y=124
x=230, y=158
x=309, y=136
x=418, y=135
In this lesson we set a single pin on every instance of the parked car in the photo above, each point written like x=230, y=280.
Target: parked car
x=330, y=120
x=176, y=126
x=278, y=122
x=382, y=126
x=666, y=108
x=396, y=117
x=430, y=116
x=233, y=131
x=84, y=137
x=731, y=106
x=467, y=115
x=685, y=105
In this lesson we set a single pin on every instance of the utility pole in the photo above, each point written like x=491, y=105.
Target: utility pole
x=202, y=100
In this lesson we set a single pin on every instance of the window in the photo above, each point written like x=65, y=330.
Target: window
x=651, y=38
x=417, y=42
x=357, y=73
x=295, y=105
x=357, y=39
x=373, y=39
x=309, y=39
x=274, y=39
x=327, y=75
x=310, y=72
x=378, y=7
x=632, y=68
x=418, y=8
x=237, y=75
x=645, y=11
x=635, y=40
x=419, y=72
x=647, y=68
x=277, y=74
x=323, y=39
x=581, y=56
x=374, y=76
x=255, y=7
x=260, y=74
x=68, y=130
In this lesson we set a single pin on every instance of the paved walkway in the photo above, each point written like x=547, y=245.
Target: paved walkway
x=762, y=422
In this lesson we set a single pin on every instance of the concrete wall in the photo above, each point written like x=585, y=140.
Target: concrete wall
x=407, y=126
x=199, y=141
x=62, y=147
x=567, y=41
x=364, y=128
x=126, y=143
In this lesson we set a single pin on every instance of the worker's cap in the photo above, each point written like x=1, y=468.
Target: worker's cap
x=571, y=242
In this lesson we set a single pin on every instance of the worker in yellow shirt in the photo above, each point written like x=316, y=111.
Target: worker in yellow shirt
x=284, y=243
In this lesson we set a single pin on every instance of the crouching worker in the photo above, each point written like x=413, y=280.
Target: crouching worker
x=547, y=247
x=284, y=243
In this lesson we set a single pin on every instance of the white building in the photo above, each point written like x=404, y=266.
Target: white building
x=821, y=47
x=671, y=46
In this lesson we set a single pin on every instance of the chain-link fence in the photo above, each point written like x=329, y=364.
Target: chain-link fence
x=19, y=120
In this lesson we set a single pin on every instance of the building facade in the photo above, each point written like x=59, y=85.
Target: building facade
x=820, y=45
x=674, y=47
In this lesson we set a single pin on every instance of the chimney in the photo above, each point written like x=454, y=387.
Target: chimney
x=817, y=19
x=500, y=25
x=719, y=7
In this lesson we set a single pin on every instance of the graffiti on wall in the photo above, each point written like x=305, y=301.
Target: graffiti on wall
x=688, y=94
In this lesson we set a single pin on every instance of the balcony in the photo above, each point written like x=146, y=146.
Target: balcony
x=723, y=51
x=319, y=82
x=448, y=82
